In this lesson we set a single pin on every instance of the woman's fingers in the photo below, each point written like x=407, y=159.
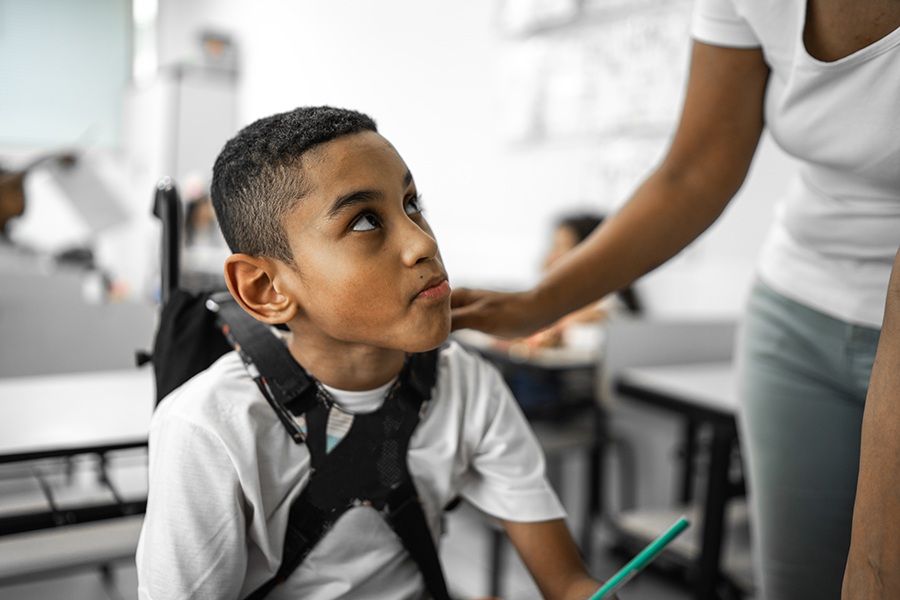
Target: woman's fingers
x=498, y=313
x=461, y=297
x=468, y=310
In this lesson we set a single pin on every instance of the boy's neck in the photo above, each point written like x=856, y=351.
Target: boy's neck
x=345, y=366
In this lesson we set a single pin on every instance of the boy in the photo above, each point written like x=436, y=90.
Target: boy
x=328, y=237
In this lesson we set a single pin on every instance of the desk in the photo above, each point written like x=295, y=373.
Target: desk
x=565, y=368
x=568, y=370
x=563, y=358
x=63, y=416
x=704, y=393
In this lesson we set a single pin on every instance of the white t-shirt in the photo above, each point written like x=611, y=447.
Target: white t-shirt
x=837, y=229
x=224, y=473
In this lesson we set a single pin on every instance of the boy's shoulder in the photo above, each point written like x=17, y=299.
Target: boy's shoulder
x=466, y=375
x=226, y=372
x=223, y=396
x=458, y=360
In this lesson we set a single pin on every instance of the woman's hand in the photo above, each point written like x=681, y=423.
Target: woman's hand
x=507, y=315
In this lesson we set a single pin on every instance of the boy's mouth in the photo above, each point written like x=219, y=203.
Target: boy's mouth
x=437, y=289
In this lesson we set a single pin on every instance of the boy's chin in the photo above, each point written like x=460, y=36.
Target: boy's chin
x=429, y=341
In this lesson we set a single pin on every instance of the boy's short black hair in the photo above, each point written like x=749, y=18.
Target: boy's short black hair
x=257, y=177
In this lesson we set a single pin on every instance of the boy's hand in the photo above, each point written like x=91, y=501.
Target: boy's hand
x=508, y=315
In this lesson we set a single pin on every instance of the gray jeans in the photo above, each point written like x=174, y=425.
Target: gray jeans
x=803, y=384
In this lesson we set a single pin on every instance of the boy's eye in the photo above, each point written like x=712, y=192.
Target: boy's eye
x=366, y=222
x=412, y=206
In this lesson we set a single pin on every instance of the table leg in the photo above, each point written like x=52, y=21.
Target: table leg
x=596, y=478
x=690, y=450
x=717, y=494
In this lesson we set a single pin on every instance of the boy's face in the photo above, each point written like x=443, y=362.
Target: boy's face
x=368, y=270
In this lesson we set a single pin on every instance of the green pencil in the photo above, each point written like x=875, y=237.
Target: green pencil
x=636, y=564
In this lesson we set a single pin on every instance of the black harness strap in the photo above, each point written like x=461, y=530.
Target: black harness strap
x=367, y=467
x=284, y=383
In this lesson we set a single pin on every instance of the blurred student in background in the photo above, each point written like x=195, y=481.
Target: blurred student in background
x=12, y=197
x=570, y=231
x=12, y=187
x=580, y=330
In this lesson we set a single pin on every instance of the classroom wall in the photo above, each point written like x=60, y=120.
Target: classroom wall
x=435, y=77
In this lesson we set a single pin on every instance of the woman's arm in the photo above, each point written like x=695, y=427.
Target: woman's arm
x=552, y=558
x=873, y=566
x=716, y=138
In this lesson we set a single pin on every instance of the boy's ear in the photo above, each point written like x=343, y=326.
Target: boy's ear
x=251, y=281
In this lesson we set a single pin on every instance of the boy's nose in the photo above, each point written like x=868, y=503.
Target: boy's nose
x=419, y=244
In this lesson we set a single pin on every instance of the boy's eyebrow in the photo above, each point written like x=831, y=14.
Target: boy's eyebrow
x=347, y=201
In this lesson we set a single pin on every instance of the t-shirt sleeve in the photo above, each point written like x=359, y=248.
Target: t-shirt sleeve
x=718, y=23
x=192, y=542
x=507, y=470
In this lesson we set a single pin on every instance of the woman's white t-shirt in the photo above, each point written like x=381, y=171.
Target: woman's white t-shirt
x=837, y=229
